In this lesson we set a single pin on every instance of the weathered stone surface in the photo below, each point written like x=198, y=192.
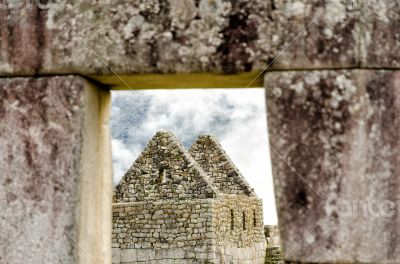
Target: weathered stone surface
x=215, y=162
x=339, y=131
x=40, y=148
x=164, y=171
x=274, y=251
x=190, y=231
x=131, y=36
x=272, y=235
x=43, y=124
x=380, y=33
x=191, y=36
x=164, y=213
x=330, y=40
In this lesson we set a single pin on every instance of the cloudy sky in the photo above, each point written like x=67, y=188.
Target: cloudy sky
x=236, y=117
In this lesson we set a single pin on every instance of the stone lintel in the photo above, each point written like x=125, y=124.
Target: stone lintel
x=137, y=37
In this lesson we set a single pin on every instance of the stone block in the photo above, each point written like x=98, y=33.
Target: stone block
x=334, y=139
x=194, y=36
x=129, y=36
x=45, y=124
x=309, y=34
x=380, y=33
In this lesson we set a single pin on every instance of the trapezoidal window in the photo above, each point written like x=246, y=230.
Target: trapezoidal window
x=244, y=220
x=162, y=175
x=232, y=220
x=254, y=218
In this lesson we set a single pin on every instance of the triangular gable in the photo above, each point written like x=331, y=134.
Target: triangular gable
x=164, y=170
x=224, y=175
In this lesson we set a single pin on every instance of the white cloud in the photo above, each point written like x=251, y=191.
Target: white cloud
x=235, y=116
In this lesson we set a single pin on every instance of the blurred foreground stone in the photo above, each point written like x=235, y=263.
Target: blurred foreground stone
x=84, y=37
x=49, y=201
x=339, y=131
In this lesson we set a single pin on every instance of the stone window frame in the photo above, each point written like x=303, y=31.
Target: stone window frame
x=173, y=81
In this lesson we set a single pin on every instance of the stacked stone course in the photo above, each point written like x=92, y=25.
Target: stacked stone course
x=272, y=235
x=273, y=252
x=184, y=178
x=168, y=210
x=218, y=166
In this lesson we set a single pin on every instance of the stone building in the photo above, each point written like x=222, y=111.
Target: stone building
x=179, y=206
x=331, y=70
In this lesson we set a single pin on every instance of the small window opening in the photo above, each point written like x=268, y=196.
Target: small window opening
x=244, y=221
x=232, y=220
x=162, y=175
x=254, y=218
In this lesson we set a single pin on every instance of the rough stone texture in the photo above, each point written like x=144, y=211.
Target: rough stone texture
x=160, y=228
x=272, y=235
x=40, y=142
x=380, y=33
x=183, y=217
x=223, y=174
x=330, y=42
x=193, y=36
x=339, y=131
x=46, y=124
x=189, y=231
x=273, y=252
x=239, y=233
x=136, y=36
x=183, y=178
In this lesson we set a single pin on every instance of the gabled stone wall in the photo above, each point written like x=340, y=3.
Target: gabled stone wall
x=164, y=171
x=223, y=174
x=163, y=226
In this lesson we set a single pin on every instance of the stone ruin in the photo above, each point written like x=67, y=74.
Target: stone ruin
x=274, y=252
x=332, y=96
x=178, y=206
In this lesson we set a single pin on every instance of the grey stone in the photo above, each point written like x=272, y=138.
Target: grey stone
x=309, y=34
x=190, y=36
x=40, y=148
x=44, y=123
x=380, y=34
x=136, y=37
x=339, y=131
x=191, y=222
x=208, y=153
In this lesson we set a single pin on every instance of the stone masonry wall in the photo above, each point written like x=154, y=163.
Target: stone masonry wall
x=182, y=177
x=272, y=235
x=239, y=230
x=223, y=174
x=191, y=231
x=163, y=231
x=274, y=251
